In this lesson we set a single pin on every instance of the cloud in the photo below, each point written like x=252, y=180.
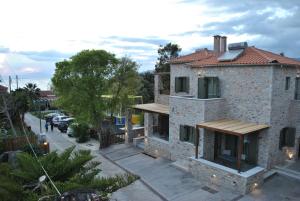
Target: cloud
x=4, y=49
x=136, y=29
x=50, y=55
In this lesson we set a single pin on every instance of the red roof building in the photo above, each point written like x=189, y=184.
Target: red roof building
x=3, y=89
x=250, y=56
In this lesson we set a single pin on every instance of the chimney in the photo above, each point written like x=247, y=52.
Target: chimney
x=217, y=43
x=223, y=44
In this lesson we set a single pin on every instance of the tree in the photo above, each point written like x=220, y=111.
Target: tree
x=165, y=53
x=124, y=82
x=21, y=102
x=81, y=82
x=32, y=90
x=33, y=93
x=69, y=170
x=147, y=86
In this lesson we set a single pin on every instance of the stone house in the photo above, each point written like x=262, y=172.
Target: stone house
x=231, y=115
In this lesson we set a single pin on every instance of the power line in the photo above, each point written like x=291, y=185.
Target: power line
x=39, y=160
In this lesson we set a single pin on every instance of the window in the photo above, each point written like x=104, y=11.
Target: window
x=182, y=84
x=187, y=133
x=287, y=137
x=208, y=87
x=287, y=83
x=297, y=89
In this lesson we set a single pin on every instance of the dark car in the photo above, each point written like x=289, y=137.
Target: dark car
x=79, y=195
x=64, y=124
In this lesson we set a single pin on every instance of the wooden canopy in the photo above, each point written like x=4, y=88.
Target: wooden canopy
x=153, y=107
x=234, y=127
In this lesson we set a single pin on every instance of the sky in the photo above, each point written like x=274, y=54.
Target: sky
x=36, y=34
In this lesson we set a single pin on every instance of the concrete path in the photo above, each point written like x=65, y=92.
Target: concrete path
x=169, y=181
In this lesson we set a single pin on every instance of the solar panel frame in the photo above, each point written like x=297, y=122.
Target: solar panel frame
x=230, y=55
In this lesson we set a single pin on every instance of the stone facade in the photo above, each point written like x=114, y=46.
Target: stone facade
x=222, y=177
x=248, y=93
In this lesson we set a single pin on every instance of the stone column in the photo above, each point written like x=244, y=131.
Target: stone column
x=128, y=127
x=148, y=124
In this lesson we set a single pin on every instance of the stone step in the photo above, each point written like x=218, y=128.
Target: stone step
x=269, y=174
x=288, y=172
x=141, y=145
x=180, y=166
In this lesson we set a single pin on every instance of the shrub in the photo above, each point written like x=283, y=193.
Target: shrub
x=81, y=132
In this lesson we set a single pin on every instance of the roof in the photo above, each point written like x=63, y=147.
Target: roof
x=251, y=56
x=234, y=127
x=153, y=107
x=3, y=89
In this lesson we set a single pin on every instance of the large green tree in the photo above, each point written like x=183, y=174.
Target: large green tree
x=81, y=82
x=165, y=53
x=146, y=88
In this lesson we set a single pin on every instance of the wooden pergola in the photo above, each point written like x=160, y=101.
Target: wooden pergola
x=153, y=107
x=230, y=127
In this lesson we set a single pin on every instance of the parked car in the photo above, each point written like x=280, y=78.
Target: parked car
x=49, y=117
x=56, y=120
x=64, y=124
x=70, y=132
x=79, y=195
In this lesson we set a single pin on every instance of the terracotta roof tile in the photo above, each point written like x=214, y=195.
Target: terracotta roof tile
x=251, y=56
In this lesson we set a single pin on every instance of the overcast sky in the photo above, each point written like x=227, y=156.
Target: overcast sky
x=35, y=34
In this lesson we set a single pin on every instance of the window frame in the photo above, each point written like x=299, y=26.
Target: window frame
x=182, y=84
x=297, y=88
x=188, y=135
x=210, y=87
x=287, y=82
x=287, y=137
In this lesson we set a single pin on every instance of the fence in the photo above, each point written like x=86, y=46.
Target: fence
x=16, y=143
x=107, y=140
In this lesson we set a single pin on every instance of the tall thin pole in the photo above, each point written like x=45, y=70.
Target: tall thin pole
x=40, y=117
x=9, y=81
x=17, y=80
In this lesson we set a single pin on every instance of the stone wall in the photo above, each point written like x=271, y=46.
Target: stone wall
x=159, y=98
x=158, y=147
x=190, y=111
x=285, y=112
x=222, y=177
x=153, y=145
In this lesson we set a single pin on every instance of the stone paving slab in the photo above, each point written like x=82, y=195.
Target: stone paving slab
x=123, y=153
x=169, y=181
x=135, y=192
x=277, y=188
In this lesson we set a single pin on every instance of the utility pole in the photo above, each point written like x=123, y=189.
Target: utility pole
x=17, y=80
x=9, y=81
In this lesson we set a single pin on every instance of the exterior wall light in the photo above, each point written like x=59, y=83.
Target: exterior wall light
x=255, y=185
x=290, y=155
x=213, y=176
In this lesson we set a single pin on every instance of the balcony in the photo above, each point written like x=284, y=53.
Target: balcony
x=198, y=109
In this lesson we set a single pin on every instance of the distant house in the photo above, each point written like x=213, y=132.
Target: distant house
x=3, y=89
x=232, y=114
x=48, y=97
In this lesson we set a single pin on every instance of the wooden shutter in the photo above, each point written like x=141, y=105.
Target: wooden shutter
x=187, y=84
x=297, y=88
x=193, y=134
x=177, y=83
x=202, y=88
x=217, y=81
x=290, y=137
x=181, y=133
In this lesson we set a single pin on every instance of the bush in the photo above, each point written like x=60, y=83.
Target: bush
x=81, y=132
